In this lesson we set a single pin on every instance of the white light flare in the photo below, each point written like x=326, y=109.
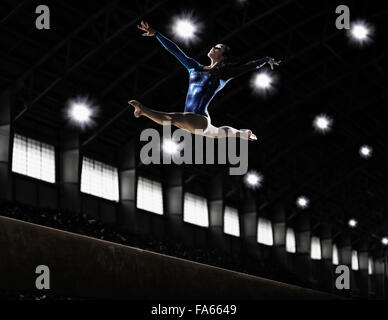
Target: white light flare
x=253, y=179
x=262, y=83
x=186, y=28
x=81, y=111
x=322, y=123
x=384, y=241
x=365, y=151
x=352, y=223
x=360, y=32
x=302, y=202
x=170, y=146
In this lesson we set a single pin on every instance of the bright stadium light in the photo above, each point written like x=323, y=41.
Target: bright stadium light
x=384, y=241
x=263, y=81
x=81, y=111
x=253, y=179
x=186, y=27
x=360, y=32
x=365, y=151
x=322, y=123
x=352, y=223
x=302, y=202
x=170, y=146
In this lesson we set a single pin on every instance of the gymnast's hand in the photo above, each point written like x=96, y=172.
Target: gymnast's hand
x=149, y=32
x=272, y=63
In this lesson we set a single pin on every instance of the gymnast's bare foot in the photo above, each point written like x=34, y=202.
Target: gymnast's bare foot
x=251, y=135
x=138, y=108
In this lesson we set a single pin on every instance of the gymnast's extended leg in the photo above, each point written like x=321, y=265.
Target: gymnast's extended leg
x=227, y=131
x=183, y=120
x=194, y=123
x=242, y=133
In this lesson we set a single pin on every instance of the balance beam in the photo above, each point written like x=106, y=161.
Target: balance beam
x=82, y=266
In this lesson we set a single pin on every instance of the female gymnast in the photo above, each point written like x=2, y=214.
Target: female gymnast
x=205, y=82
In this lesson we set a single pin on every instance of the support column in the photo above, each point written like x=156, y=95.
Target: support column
x=327, y=257
x=303, y=240
x=279, y=234
x=174, y=201
x=216, y=207
x=70, y=172
x=127, y=184
x=380, y=278
x=363, y=277
x=249, y=224
x=5, y=146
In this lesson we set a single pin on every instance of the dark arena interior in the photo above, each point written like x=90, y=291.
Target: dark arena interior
x=84, y=216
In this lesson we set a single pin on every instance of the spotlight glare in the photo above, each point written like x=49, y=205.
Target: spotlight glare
x=185, y=28
x=253, y=179
x=352, y=223
x=322, y=123
x=365, y=151
x=384, y=241
x=302, y=202
x=360, y=32
x=263, y=80
x=263, y=83
x=170, y=146
x=81, y=111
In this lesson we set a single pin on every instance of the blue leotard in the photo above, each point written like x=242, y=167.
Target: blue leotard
x=203, y=85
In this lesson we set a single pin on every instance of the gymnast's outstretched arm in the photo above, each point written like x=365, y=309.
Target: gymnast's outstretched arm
x=171, y=47
x=177, y=52
x=235, y=71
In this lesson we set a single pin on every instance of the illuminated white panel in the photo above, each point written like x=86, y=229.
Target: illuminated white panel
x=33, y=158
x=149, y=195
x=315, y=248
x=231, y=221
x=371, y=266
x=354, y=260
x=99, y=179
x=335, y=255
x=264, y=232
x=290, y=241
x=195, y=210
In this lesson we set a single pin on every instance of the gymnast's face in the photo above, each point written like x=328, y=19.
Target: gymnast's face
x=217, y=52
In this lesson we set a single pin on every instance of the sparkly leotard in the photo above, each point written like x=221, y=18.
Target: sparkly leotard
x=204, y=85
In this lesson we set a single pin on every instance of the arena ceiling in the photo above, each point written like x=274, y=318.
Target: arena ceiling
x=94, y=48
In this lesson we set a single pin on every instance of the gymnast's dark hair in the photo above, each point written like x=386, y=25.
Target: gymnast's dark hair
x=228, y=62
